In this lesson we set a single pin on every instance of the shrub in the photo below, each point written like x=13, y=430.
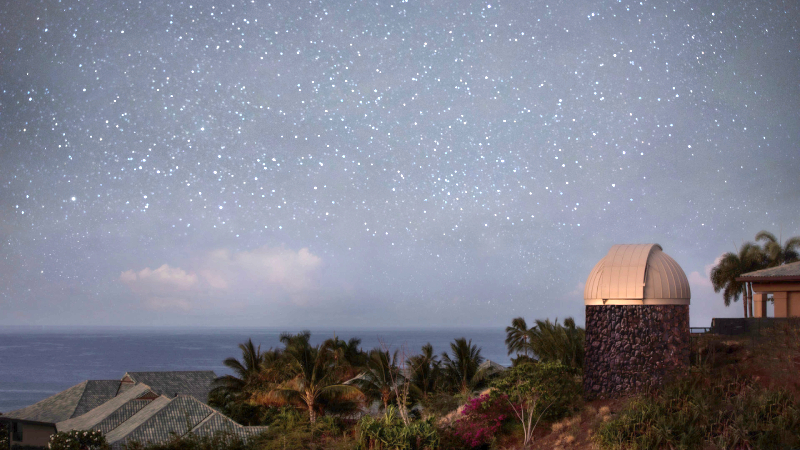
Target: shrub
x=440, y=404
x=543, y=391
x=481, y=419
x=77, y=440
x=700, y=411
x=391, y=433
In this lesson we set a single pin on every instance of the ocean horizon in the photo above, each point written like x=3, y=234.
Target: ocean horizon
x=37, y=362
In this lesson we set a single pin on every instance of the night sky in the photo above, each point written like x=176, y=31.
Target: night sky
x=382, y=163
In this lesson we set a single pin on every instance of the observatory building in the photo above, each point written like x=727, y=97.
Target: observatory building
x=637, y=320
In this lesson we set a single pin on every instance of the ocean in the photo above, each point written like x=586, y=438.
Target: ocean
x=35, y=364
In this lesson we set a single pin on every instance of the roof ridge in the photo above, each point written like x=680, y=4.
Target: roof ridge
x=92, y=417
x=135, y=422
x=34, y=413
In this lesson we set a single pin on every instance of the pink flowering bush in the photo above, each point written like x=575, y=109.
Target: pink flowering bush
x=481, y=419
x=77, y=440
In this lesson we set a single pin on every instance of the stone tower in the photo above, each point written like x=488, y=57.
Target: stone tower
x=637, y=320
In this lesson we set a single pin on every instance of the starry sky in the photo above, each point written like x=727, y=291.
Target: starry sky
x=381, y=163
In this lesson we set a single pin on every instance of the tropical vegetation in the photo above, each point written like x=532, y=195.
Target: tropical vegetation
x=750, y=257
x=548, y=341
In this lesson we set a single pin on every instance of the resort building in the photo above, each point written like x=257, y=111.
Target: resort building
x=783, y=282
x=148, y=407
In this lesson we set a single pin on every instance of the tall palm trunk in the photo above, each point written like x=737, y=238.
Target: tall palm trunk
x=312, y=415
x=744, y=300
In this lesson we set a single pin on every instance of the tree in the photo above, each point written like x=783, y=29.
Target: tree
x=518, y=337
x=377, y=381
x=462, y=368
x=246, y=371
x=776, y=252
x=730, y=267
x=425, y=371
x=535, y=391
x=313, y=381
x=551, y=341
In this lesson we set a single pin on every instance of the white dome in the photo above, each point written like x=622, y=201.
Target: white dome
x=637, y=274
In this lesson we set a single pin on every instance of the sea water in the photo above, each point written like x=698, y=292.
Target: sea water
x=37, y=363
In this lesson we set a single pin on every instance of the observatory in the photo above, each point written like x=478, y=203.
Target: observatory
x=637, y=320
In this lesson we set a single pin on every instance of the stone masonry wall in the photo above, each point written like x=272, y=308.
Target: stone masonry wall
x=629, y=348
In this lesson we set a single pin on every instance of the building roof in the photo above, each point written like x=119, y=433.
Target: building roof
x=93, y=418
x=195, y=383
x=134, y=410
x=786, y=272
x=165, y=417
x=637, y=274
x=72, y=402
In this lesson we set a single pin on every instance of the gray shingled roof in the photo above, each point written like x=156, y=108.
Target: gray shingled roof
x=136, y=420
x=194, y=383
x=165, y=417
x=786, y=270
x=53, y=409
x=101, y=413
x=96, y=393
x=218, y=423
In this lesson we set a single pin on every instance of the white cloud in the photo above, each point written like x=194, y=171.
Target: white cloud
x=163, y=288
x=263, y=274
x=696, y=279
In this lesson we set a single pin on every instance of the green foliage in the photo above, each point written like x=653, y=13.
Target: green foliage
x=777, y=253
x=378, y=379
x=700, y=411
x=426, y=371
x=77, y=440
x=731, y=266
x=461, y=369
x=389, y=433
x=554, y=387
x=440, y=404
x=549, y=341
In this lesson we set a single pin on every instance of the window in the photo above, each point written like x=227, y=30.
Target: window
x=16, y=431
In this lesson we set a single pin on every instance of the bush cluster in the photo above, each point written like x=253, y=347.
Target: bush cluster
x=702, y=411
x=390, y=432
x=77, y=440
x=481, y=420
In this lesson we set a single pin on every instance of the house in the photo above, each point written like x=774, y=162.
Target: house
x=783, y=282
x=142, y=406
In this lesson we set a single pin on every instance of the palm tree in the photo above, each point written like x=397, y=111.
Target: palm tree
x=378, y=381
x=777, y=253
x=462, y=369
x=348, y=353
x=313, y=381
x=518, y=337
x=425, y=370
x=246, y=371
x=730, y=267
x=551, y=341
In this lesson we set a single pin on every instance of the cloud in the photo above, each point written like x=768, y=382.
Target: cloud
x=704, y=279
x=263, y=274
x=578, y=291
x=164, y=288
x=163, y=279
x=708, y=267
x=695, y=278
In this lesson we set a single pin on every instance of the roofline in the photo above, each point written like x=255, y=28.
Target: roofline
x=35, y=422
x=777, y=278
